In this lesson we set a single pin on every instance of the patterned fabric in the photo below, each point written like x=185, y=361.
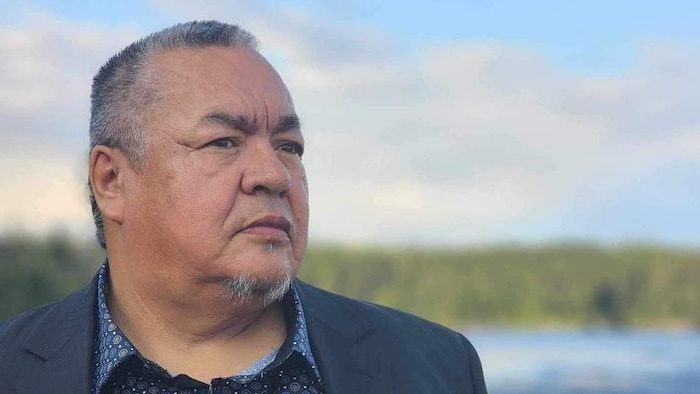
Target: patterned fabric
x=118, y=367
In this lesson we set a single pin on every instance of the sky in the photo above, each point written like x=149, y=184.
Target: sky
x=452, y=122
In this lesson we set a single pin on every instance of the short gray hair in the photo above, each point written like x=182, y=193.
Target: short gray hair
x=121, y=94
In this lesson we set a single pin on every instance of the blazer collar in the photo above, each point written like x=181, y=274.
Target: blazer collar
x=341, y=339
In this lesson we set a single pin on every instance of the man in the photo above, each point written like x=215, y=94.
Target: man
x=201, y=202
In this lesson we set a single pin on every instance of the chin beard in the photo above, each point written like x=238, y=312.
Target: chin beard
x=245, y=288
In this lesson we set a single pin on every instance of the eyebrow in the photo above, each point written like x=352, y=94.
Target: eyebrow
x=287, y=122
x=249, y=125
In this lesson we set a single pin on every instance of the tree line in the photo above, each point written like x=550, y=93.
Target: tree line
x=558, y=284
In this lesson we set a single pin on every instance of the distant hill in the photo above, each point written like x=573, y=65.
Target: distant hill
x=557, y=284
x=560, y=284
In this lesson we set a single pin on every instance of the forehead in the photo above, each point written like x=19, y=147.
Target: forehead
x=229, y=78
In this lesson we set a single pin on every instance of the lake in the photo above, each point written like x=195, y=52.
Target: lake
x=589, y=361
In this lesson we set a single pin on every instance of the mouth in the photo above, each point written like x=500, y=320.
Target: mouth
x=271, y=226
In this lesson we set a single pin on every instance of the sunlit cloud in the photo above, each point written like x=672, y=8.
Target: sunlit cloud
x=458, y=142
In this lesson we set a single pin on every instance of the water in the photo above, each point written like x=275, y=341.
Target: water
x=587, y=362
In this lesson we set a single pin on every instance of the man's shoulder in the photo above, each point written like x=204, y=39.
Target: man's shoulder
x=24, y=320
x=16, y=329
x=402, y=340
x=395, y=325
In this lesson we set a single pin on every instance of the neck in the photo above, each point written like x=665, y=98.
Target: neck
x=220, y=337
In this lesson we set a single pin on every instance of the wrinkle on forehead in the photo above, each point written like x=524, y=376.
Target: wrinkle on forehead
x=248, y=125
x=238, y=77
x=193, y=63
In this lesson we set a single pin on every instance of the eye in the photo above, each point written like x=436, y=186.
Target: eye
x=292, y=147
x=222, y=143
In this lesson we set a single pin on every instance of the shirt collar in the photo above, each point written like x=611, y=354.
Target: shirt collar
x=112, y=347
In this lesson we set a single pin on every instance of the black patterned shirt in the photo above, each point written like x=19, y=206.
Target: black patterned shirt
x=119, y=368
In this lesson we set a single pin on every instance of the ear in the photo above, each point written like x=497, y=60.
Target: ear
x=107, y=174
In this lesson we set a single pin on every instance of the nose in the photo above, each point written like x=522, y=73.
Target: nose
x=264, y=171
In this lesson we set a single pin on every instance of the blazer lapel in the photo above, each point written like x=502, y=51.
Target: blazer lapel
x=59, y=347
x=342, y=344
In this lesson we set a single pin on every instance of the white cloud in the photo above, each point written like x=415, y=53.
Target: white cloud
x=43, y=194
x=46, y=72
x=448, y=145
x=45, y=76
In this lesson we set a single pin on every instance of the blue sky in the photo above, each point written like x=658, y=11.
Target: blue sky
x=583, y=35
x=481, y=121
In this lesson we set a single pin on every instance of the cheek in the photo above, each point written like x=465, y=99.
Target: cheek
x=201, y=203
x=299, y=195
x=299, y=202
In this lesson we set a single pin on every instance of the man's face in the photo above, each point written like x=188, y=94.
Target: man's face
x=224, y=152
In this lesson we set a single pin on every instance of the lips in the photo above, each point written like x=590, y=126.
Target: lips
x=270, y=224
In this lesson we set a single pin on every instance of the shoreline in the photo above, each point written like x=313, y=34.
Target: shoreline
x=562, y=328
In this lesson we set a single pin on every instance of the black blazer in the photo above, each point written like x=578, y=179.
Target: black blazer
x=360, y=348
